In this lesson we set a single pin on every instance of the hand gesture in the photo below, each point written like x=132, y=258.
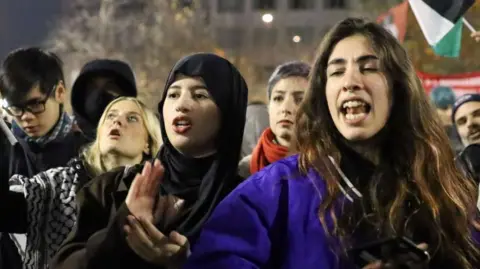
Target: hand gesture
x=152, y=245
x=144, y=191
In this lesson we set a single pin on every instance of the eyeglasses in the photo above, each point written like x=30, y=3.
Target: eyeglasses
x=34, y=107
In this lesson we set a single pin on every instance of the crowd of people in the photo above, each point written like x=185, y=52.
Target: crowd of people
x=349, y=152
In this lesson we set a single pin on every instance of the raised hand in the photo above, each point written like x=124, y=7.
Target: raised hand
x=149, y=208
x=144, y=191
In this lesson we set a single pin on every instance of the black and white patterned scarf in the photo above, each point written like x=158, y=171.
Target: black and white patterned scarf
x=51, y=210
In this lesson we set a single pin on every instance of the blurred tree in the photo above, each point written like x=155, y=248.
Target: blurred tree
x=421, y=53
x=149, y=34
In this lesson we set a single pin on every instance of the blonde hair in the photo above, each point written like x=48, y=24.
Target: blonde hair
x=91, y=154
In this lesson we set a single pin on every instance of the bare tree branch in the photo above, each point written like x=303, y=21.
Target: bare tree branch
x=150, y=34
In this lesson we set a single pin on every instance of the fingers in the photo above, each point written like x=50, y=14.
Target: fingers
x=422, y=246
x=136, y=244
x=157, y=237
x=147, y=169
x=139, y=232
x=178, y=239
x=134, y=189
x=153, y=178
x=156, y=177
x=151, y=245
x=158, y=170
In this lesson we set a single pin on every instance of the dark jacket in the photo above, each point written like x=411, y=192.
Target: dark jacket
x=9, y=256
x=468, y=161
x=27, y=159
x=98, y=240
x=41, y=158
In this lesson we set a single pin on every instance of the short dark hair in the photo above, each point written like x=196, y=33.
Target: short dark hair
x=286, y=70
x=26, y=68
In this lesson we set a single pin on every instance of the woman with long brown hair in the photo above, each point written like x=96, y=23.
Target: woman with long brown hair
x=374, y=162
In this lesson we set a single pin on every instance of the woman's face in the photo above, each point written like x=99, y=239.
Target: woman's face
x=123, y=131
x=358, y=94
x=191, y=117
x=287, y=94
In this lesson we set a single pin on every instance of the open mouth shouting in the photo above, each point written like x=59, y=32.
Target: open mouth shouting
x=182, y=124
x=355, y=110
x=114, y=134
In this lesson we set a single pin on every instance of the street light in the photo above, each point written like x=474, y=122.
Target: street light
x=296, y=38
x=267, y=18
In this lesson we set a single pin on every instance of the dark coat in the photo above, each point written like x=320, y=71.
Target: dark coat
x=98, y=239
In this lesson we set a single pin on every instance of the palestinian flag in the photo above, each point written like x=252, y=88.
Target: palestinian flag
x=438, y=17
x=395, y=20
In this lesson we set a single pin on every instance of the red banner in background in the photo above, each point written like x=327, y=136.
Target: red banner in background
x=460, y=83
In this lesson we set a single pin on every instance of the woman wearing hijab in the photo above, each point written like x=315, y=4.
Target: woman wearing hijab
x=128, y=133
x=128, y=219
x=285, y=90
x=374, y=163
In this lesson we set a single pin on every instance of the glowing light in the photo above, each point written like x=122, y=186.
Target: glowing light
x=296, y=39
x=267, y=18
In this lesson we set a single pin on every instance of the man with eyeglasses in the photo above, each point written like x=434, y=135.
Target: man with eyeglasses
x=33, y=88
x=32, y=85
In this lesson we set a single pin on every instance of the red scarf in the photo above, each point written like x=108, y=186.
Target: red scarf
x=266, y=152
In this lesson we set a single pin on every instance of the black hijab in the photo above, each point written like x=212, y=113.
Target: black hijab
x=204, y=182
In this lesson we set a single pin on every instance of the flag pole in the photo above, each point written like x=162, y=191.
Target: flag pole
x=469, y=26
x=8, y=133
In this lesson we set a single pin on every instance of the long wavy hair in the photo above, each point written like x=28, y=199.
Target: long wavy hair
x=417, y=166
x=91, y=154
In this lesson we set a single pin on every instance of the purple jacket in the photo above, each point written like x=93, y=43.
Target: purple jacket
x=269, y=221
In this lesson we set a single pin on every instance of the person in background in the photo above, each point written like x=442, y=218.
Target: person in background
x=148, y=217
x=373, y=163
x=33, y=88
x=257, y=122
x=285, y=91
x=128, y=134
x=466, y=118
x=99, y=82
x=443, y=99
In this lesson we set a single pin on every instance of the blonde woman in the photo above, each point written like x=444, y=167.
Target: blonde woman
x=127, y=134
